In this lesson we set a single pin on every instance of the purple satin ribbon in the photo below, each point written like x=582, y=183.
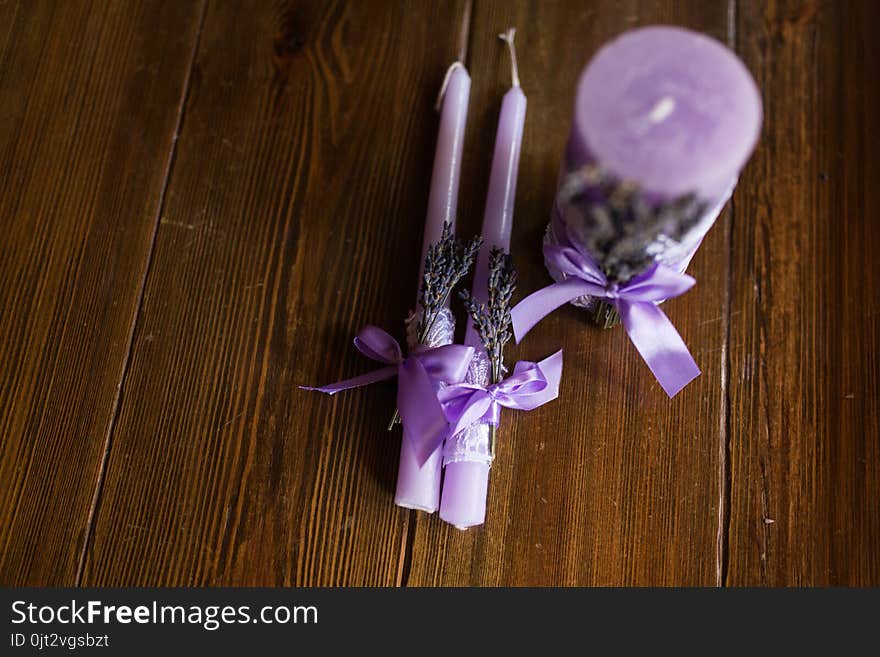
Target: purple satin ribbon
x=423, y=419
x=530, y=386
x=646, y=324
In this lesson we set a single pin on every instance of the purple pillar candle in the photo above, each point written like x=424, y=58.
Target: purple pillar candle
x=467, y=456
x=675, y=113
x=418, y=486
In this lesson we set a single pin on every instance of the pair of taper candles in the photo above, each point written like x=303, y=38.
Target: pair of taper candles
x=467, y=463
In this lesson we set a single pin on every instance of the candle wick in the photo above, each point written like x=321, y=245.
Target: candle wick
x=508, y=38
x=454, y=65
x=662, y=109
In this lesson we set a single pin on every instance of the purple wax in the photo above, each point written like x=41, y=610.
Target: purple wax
x=418, y=486
x=443, y=197
x=466, y=484
x=498, y=215
x=464, y=493
x=672, y=110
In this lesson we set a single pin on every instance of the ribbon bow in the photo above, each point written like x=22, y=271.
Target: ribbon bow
x=530, y=386
x=647, y=325
x=424, y=423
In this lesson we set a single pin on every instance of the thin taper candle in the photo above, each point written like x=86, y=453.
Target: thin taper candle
x=498, y=215
x=467, y=468
x=418, y=486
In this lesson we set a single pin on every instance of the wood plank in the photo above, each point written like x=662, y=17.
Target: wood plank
x=293, y=218
x=613, y=483
x=805, y=372
x=89, y=102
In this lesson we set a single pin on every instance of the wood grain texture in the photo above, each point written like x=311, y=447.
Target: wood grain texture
x=293, y=217
x=613, y=483
x=202, y=201
x=89, y=96
x=805, y=374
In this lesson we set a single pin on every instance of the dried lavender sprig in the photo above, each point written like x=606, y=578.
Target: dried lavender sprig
x=492, y=319
x=619, y=222
x=446, y=262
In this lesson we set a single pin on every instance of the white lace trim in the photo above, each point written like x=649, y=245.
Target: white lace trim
x=442, y=331
x=472, y=444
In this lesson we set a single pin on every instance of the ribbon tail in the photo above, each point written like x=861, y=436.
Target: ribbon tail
x=538, y=305
x=424, y=423
x=551, y=367
x=659, y=343
x=375, y=376
x=549, y=374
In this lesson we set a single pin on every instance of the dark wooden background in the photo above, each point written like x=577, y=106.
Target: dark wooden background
x=201, y=202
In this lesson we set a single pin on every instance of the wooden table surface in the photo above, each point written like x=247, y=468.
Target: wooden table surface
x=201, y=202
